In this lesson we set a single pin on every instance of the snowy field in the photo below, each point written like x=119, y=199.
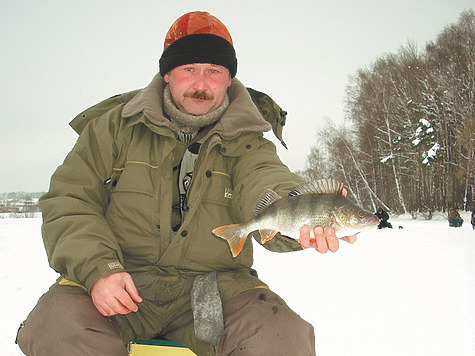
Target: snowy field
x=407, y=291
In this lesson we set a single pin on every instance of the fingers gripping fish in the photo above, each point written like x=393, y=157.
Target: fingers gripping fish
x=317, y=203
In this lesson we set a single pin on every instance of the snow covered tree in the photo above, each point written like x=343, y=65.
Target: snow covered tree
x=411, y=146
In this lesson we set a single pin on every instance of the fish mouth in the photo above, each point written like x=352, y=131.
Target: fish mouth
x=366, y=222
x=370, y=221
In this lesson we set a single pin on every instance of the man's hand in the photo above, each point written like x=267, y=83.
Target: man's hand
x=324, y=239
x=115, y=294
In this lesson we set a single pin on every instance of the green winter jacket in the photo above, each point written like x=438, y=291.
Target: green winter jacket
x=108, y=208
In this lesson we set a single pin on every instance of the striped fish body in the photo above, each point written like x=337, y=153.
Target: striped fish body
x=287, y=215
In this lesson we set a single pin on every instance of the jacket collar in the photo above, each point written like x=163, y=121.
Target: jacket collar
x=241, y=116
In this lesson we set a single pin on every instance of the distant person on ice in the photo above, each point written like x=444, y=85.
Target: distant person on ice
x=128, y=219
x=455, y=220
x=472, y=220
x=383, y=217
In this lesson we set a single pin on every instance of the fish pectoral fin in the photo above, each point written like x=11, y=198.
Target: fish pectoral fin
x=267, y=235
x=233, y=235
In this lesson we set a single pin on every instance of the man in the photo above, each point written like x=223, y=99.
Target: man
x=383, y=217
x=128, y=218
x=455, y=220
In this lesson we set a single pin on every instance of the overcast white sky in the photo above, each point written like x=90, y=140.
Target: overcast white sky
x=58, y=57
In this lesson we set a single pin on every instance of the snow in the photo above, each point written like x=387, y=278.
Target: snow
x=419, y=134
x=418, y=137
x=431, y=154
x=407, y=291
x=416, y=141
x=386, y=159
x=425, y=122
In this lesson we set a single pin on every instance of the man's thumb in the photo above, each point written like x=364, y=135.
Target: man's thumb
x=132, y=290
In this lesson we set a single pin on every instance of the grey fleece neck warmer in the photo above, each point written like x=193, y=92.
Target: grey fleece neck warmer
x=187, y=126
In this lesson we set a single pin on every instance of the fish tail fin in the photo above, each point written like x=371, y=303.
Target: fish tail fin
x=234, y=235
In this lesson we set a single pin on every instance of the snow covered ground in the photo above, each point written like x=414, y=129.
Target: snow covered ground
x=407, y=291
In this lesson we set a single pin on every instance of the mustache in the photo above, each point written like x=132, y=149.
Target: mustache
x=196, y=94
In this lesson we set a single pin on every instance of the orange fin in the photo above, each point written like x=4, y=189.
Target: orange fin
x=267, y=235
x=233, y=235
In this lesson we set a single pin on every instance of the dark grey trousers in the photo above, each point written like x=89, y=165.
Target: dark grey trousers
x=257, y=322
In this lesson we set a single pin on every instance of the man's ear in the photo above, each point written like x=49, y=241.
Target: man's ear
x=166, y=77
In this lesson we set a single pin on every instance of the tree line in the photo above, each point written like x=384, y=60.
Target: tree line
x=408, y=141
x=21, y=195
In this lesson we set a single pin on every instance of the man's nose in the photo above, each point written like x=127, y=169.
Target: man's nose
x=200, y=81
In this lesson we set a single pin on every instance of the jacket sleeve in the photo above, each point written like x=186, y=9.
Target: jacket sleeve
x=78, y=240
x=258, y=170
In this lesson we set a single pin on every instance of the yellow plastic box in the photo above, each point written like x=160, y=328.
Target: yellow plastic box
x=153, y=347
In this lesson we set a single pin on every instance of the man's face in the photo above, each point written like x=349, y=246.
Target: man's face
x=198, y=88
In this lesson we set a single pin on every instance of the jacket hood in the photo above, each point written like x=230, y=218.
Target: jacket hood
x=241, y=116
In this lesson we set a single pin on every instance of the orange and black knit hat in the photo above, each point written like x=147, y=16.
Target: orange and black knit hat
x=198, y=37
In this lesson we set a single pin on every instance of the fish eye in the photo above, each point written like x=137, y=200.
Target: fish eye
x=361, y=214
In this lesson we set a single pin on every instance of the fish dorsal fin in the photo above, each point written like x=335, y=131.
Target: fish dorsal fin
x=265, y=199
x=325, y=186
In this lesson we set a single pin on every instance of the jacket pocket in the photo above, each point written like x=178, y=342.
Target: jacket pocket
x=220, y=188
x=135, y=177
x=130, y=213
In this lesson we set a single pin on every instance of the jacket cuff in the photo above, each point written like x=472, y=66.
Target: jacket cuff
x=103, y=270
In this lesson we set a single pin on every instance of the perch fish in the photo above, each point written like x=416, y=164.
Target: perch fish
x=317, y=203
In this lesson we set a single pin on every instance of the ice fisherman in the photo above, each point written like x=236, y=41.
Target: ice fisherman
x=383, y=217
x=128, y=216
x=455, y=220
